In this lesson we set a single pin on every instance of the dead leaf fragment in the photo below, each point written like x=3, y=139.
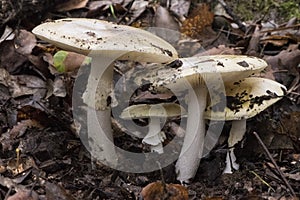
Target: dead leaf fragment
x=25, y=42
x=197, y=21
x=17, y=166
x=55, y=191
x=180, y=7
x=24, y=195
x=220, y=50
x=66, y=61
x=11, y=60
x=7, y=35
x=161, y=191
x=164, y=19
x=71, y=5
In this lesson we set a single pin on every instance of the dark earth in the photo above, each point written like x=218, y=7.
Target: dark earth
x=41, y=155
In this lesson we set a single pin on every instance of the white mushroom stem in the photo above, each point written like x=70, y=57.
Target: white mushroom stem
x=236, y=134
x=155, y=136
x=96, y=96
x=192, y=149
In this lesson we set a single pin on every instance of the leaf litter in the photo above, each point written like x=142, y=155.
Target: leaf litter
x=35, y=108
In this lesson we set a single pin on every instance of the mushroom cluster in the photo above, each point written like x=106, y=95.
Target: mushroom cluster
x=223, y=77
x=233, y=96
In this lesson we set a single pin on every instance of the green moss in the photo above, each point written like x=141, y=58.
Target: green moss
x=290, y=9
x=277, y=10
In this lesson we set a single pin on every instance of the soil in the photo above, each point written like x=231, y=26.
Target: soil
x=40, y=148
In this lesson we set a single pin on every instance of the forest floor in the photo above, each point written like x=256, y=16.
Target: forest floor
x=42, y=155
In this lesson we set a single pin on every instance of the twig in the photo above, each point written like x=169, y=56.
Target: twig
x=234, y=17
x=126, y=13
x=274, y=163
x=263, y=181
x=281, y=28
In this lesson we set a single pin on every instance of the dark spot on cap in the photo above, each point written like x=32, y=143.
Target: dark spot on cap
x=243, y=64
x=175, y=64
x=221, y=64
x=168, y=52
x=108, y=101
x=90, y=33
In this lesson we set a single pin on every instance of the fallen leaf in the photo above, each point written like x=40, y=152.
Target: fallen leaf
x=59, y=88
x=65, y=61
x=197, y=21
x=276, y=40
x=284, y=65
x=24, y=195
x=220, y=50
x=157, y=191
x=25, y=42
x=295, y=176
x=180, y=7
x=11, y=60
x=137, y=8
x=55, y=191
x=21, y=85
x=163, y=19
x=7, y=35
x=71, y=5
x=19, y=165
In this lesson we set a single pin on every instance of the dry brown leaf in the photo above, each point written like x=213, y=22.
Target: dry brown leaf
x=283, y=65
x=71, y=5
x=220, y=50
x=156, y=191
x=8, y=34
x=278, y=40
x=163, y=19
x=95, y=5
x=180, y=7
x=137, y=8
x=295, y=176
x=24, y=195
x=17, y=166
x=55, y=191
x=25, y=42
x=19, y=129
x=197, y=21
x=11, y=60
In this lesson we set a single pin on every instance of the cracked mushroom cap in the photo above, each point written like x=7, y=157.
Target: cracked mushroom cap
x=231, y=68
x=153, y=110
x=245, y=99
x=92, y=36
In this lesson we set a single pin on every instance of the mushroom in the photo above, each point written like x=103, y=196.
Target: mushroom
x=245, y=99
x=199, y=75
x=104, y=42
x=156, y=113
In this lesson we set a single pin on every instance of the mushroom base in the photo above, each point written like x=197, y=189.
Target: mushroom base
x=236, y=134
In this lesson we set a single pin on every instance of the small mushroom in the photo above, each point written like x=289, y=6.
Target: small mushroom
x=104, y=42
x=245, y=99
x=197, y=74
x=156, y=113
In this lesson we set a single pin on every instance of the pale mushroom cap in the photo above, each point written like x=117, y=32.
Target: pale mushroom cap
x=153, y=110
x=246, y=98
x=229, y=68
x=91, y=36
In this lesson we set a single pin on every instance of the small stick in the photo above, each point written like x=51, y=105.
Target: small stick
x=274, y=163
